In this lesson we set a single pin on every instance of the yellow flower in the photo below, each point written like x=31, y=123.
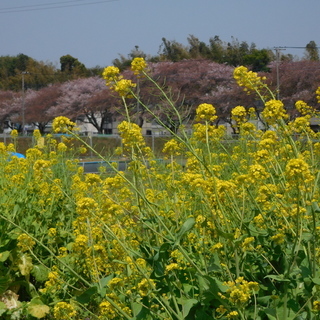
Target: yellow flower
x=124, y=87
x=62, y=147
x=53, y=283
x=240, y=291
x=273, y=111
x=62, y=124
x=246, y=244
x=248, y=79
x=278, y=238
x=64, y=310
x=304, y=109
x=172, y=147
x=221, y=309
x=172, y=266
x=316, y=304
x=80, y=243
x=298, y=170
x=318, y=94
x=202, y=132
x=232, y=314
x=107, y=311
x=144, y=286
x=14, y=133
x=138, y=65
x=206, y=111
x=247, y=128
x=217, y=246
x=52, y=232
x=132, y=138
x=25, y=242
x=111, y=74
x=258, y=173
x=301, y=125
x=37, y=134
x=239, y=115
x=115, y=282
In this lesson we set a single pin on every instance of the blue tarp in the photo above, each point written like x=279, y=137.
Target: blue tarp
x=17, y=154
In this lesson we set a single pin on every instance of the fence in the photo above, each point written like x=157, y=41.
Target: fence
x=103, y=144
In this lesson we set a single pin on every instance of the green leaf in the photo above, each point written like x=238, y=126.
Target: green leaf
x=136, y=308
x=86, y=296
x=186, y=304
x=40, y=272
x=315, y=207
x=264, y=300
x=102, y=285
x=3, y=308
x=225, y=235
x=210, y=288
x=188, y=225
x=4, y=256
x=37, y=308
x=307, y=236
x=214, y=264
x=4, y=284
x=271, y=313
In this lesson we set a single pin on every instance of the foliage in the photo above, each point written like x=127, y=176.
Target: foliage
x=230, y=232
x=312, y=51
x=12, y=68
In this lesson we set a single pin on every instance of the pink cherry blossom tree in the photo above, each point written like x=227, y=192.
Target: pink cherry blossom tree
x=88, y=99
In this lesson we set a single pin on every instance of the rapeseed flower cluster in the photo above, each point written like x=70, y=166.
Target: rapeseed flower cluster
x=111, y=74
x=25, y=242
x=62, y=124
x=274, y=111
x=206, y=112
x=117, y=83
x=132, y=139
x=172, y=148
x=239, y=115
x=240, y=291
x=138, y=65
x=304, y=109
x=64, y=310
x=124, y=88
x=248, y=79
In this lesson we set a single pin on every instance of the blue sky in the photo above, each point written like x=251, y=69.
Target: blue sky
x=96, y=31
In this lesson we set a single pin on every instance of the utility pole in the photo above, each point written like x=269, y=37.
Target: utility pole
x=277, y=49
x=23, y=103
x=23, y=73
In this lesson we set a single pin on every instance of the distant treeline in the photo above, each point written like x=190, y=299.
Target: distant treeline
x=13, y=69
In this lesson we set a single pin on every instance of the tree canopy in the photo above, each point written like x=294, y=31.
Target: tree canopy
x=189, y=74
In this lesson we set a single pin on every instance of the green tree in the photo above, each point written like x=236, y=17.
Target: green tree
x=71, y=66
x=198, y=49
x=312, y=52
x=36, y=74
x=258, y=60
x=217, y=51
x=173, y=51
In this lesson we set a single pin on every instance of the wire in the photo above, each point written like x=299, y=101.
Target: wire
x=39, y=5
x=52, y=5
x=283, y=48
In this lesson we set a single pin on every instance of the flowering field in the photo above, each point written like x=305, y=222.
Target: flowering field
x=232, y=234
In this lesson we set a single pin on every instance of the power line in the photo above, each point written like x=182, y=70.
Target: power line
x=283, y=48
x=52, y=5
x=39, y=5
